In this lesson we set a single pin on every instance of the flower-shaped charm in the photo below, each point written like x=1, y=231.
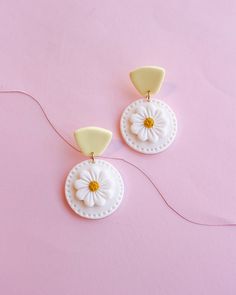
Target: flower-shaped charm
x=148, y=123
x=93, y=187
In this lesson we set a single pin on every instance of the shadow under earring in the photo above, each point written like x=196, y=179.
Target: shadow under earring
x=94, y=188
x=148, y=125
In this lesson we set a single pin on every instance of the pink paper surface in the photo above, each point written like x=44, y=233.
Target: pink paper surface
x=75, y=56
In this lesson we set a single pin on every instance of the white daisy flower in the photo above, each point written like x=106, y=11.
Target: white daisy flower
x=148, y=123
x=93, y=187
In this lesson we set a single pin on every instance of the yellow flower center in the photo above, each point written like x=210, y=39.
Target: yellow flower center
x=148, y=122
x=93, y=186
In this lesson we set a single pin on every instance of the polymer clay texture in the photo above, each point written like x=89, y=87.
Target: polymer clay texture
x=93, y=140
x=148, y=127
x=94, y=190
x=147, y=79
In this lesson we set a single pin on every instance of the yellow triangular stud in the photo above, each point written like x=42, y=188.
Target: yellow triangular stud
x=147, y=79
x=92, y=140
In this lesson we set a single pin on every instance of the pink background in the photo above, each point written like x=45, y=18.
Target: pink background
x=75, y=56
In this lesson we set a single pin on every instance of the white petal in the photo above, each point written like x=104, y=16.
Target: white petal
x=136, y=118
x=84, y=174
x=99, y=201
x=102, y=177
x=106, y=183
x=105, y=193
x=157, y=114
x=159, y=131
x=95, y=172
x=142, y=111
x=151, y=110
x=80, y=183
x=82, y=193
x=152, y=135
x=160, y=122
x=89, y=200
x=142, y=135
x=135, y=128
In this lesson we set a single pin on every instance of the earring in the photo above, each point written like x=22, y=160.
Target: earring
x=148, y=125
x=94, y=188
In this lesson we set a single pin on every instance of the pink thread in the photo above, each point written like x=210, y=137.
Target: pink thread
x=118, y=159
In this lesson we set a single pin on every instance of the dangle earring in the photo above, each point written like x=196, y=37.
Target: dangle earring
x=94, y=188
x=148, y=125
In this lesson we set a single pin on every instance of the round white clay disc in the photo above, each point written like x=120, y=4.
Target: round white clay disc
x=94, y=190
x=148, y=127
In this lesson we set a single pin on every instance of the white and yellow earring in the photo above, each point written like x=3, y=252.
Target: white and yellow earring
x=94, y=188
x=148, y=125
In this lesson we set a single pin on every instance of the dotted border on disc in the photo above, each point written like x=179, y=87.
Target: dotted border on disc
x=77, y=205
x=145, y=147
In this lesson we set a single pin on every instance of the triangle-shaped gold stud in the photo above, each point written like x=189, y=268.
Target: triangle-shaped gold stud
x=92, y=140
x=147, y=79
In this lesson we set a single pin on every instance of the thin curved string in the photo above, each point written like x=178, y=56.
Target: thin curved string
x=117, y=159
